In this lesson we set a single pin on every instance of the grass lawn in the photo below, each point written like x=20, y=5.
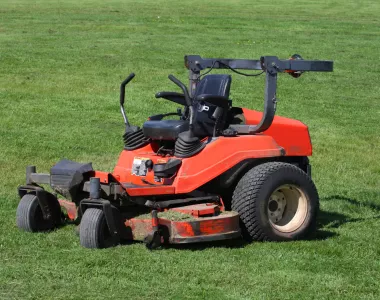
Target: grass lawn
x=61, y=63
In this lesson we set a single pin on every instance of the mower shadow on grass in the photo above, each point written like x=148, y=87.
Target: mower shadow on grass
x=371, y=205
x=329, y=219
x=322, y=234
x=227, y=244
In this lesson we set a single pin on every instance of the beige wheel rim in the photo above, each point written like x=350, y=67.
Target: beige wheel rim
x=287, y=208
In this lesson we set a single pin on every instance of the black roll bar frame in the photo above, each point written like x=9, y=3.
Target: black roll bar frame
x=271, y=65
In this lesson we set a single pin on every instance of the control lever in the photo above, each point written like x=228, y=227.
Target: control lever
x=122, y=96
x=183, y=88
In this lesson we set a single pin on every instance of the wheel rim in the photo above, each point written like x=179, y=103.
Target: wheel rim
x=287, y=208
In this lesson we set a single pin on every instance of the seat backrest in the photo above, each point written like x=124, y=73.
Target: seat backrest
x=214, y=84
x=207, y=115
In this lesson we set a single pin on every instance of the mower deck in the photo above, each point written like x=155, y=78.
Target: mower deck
x=189, y=224
x=179, y=225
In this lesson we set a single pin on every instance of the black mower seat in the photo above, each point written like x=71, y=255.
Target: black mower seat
x=164, y=129
x=215, y=85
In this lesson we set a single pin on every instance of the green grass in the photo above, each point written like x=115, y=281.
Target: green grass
x=61, y=66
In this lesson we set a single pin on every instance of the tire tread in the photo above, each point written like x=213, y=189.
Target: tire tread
x=246, y=196
x=23, y=213
x=89, y=228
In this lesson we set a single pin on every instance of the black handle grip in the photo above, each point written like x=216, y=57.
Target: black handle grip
x=173, y=96
x=175, y=80
x=122, y=87
x=183, y=88
x=128, y=79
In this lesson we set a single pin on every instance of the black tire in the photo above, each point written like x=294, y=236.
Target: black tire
x=29, y=215
x=93, y=230
x=257, y=188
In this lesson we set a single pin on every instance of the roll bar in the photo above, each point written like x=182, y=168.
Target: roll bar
x=271, y=65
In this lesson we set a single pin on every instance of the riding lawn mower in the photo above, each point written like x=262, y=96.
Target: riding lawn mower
x=213, y=171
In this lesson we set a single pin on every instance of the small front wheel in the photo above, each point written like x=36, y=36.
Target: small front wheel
x=93, y=230
x=29, y=216
x=277, y=202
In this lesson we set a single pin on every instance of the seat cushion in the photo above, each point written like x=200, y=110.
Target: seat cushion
x=164, y=129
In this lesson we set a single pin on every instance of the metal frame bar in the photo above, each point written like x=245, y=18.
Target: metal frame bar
x=175, y=202
x=270, y=64
x=43, y=178
x=196, y=63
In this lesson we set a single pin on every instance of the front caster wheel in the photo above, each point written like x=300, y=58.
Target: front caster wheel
x=93, y=231
x=29, y=215
x=276, y=202
x=153, y=240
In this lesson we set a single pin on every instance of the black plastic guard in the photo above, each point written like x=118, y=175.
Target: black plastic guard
x=168, y=169
x=67, y=177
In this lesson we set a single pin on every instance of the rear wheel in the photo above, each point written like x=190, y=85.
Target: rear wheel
x=29, y=215
x=276, y=202
x=93, y=230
